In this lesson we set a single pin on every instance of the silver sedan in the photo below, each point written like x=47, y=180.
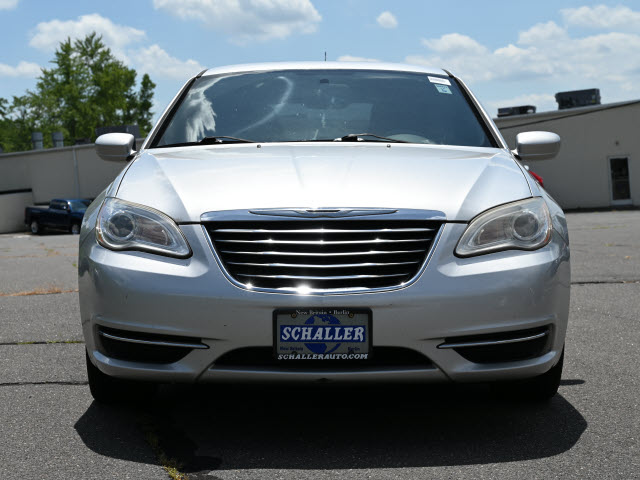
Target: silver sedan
x=303, y=222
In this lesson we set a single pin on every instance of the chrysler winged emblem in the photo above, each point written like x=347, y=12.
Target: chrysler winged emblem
x=323, y=212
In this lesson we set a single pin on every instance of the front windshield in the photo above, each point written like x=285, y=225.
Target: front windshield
x=308, y=105
x=78, y=205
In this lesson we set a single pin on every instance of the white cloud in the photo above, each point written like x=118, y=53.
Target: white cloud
x=23, y=69
x=544, y=51
x=542, y=33
x=48, y=35
x=351, y=58
x=454, y=44
x=156, y=61
x=8, y=4
x=602, y=16
x=387, y=20
x=247, y=20
x=123, y=41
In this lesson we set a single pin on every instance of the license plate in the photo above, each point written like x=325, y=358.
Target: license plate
x=322, y=334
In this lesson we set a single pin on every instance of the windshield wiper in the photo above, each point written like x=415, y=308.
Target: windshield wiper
x=355, y=137
x=208, y=141
x=223, y=139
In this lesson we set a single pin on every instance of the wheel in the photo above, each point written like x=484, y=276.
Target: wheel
x=107, y=390
x=537, y=389
x=75, y=229
x=104, y=389
x=35, y=227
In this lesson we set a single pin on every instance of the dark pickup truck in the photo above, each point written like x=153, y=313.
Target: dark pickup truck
x=62, y=214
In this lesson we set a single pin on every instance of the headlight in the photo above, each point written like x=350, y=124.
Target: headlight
x=522, y=225
x=127, y=226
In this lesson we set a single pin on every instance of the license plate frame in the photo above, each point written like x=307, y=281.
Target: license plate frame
x=360, y=352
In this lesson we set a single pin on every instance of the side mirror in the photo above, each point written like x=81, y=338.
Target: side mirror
x=536, y=145
x=116, y=147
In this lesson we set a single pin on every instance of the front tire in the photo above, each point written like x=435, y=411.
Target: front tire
x=537, y=389
x=35, y=227
x=106, y=389
x=75, y=229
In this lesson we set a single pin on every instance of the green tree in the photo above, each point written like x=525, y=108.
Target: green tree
x=17, y=121
x=86, y=87
x=5, y=124
x=4, y=108
x=144, y=102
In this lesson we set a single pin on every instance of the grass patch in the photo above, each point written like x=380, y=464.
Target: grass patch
x=39, y=291
x=64, y=341
x=170, y=465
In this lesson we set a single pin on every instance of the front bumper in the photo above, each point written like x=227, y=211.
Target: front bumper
x=146, y=293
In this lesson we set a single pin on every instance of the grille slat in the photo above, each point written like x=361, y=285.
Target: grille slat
x=322, y=230
x=323, y=254
x=311, y=265
x=320, y=278
x=323, y=242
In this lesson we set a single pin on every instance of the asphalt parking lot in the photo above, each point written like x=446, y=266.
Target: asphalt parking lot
x=52, y=429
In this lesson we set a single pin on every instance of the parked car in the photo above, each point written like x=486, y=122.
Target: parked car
x=535, y=176
x=338, y=222
x=62, y=214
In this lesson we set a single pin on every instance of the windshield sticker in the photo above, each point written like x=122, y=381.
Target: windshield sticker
x=443, y=89
x=442, y=81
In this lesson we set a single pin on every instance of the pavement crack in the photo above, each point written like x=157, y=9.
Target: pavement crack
x=45, y=342
x=20, y=384
x=152, y=436
x=174, y=450
x=604, y=282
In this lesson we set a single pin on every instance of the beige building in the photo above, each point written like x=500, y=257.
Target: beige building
x=599, y=161
x=37, y=176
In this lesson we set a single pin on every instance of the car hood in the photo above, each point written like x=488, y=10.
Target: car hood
x=460, y=182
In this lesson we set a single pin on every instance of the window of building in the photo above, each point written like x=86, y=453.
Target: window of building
x=620, y=188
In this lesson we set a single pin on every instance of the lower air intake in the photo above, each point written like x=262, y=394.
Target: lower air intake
x=144, y=347
x=502, y=347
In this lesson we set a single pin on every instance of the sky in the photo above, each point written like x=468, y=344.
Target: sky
x=508, y=52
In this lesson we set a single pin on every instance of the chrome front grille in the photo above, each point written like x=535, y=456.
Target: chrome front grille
x=323, y=254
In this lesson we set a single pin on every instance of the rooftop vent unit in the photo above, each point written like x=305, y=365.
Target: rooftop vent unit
x=519, y=110
x=578, y=98
x=36, y=141
x=57, y=138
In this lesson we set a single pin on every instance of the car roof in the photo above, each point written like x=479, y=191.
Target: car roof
x=256, y=67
